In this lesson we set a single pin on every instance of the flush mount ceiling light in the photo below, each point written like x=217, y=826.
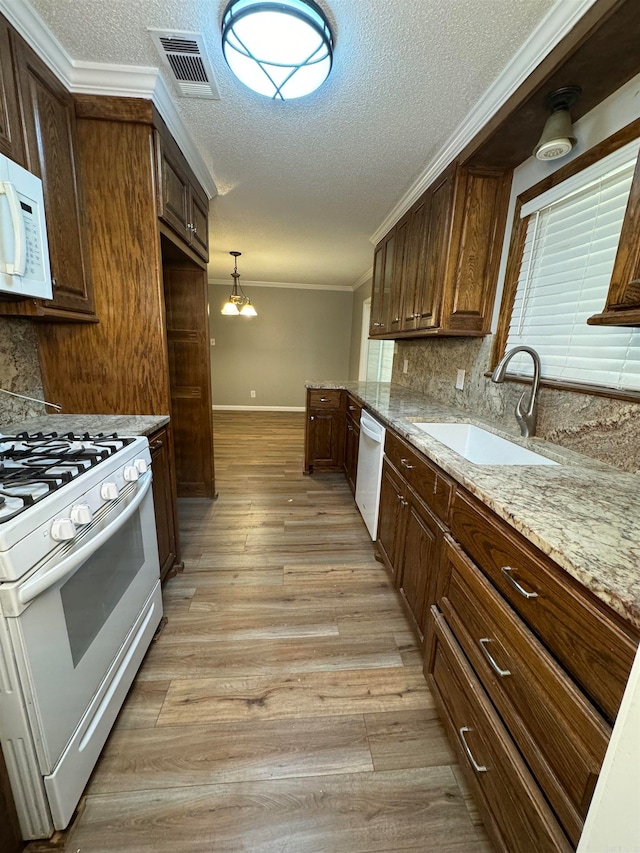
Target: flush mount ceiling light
x=280, y=49
x=238, y=303
x=558, y=137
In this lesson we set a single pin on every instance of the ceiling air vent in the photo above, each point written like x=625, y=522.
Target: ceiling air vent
x=185, y=58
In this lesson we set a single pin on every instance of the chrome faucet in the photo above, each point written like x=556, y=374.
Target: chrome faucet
x=525, y=417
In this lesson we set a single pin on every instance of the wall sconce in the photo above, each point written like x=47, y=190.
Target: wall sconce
x=558, y=137
x=238, y=303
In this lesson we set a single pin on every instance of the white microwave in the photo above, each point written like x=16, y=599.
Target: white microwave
x=24, y=250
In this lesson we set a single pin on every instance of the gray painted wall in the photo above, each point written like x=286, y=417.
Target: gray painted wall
x=359, y=296
x=299, y=334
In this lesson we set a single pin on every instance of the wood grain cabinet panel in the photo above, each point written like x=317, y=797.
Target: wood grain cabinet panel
x=11, y=142
x=589, y=641
x=558, y=731
x=351, y=448
x=429, y=482
x=48, y=118
x=185, y=293
x=446, y=252
x=515, y=812
x=164, y=491
x=622, y=307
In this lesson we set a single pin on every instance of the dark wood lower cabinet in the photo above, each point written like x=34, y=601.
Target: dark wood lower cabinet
x=420, y=556
x=391, y=517
x=10, y=835
x=511, y=803
x=164, y=500
x=324, y=431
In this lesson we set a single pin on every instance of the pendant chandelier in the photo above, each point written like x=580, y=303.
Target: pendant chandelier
x=238, y=303
x=282, y=49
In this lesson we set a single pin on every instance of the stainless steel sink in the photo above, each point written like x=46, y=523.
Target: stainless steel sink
x=482, y=447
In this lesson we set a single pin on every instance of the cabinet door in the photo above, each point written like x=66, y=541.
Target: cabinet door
x=325, y=438
x=351, y=447
x=48, y=117
x=199, y=222
x=391, y=515
x=11, y=142
x=399, y=274
x=185, y=293
x=422, y=543
x=418, y=233
x=164, y=500
x=377, y=297
x=174, y=197
x=433, y=261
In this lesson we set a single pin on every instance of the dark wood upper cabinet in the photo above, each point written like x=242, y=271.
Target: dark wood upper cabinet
x=11, y=142
x=622, y=307
x=442, y=277
x=182, y=204
x=49, y=126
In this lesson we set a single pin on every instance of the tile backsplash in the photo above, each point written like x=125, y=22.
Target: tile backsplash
x=19, y=370
x=600, y=427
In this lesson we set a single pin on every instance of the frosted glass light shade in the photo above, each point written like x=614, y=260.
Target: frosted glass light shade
x=248, y=310
x=282, y=49
x=230, y=308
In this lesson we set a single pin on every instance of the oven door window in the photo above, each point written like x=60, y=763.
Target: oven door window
x=70, y=634
x=90, y=595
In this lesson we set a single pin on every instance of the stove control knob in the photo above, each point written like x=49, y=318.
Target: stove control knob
x=130, y=473
x=81, y=514
x=63, y=529
x=109, y=491
x=141, y=465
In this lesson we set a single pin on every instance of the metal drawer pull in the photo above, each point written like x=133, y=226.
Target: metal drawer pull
x=514, y=583
x=324, y=399
x=352, y=408
x=402, y=500
x=480, y=768
x=312, y=418
x=405, y=464
x=494, y=666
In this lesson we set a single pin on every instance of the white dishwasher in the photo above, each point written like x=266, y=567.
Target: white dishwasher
x=370, y=453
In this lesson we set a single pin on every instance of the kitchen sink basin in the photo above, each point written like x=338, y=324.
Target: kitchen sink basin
x=482, y=447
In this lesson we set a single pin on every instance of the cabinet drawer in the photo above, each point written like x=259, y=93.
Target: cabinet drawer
x=582, y=635
x=430, y=485
x=323, y=399
x=560, y=734
x=354, y=409
x=515, y=811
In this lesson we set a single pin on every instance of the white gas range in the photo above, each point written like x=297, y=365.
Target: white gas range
x=79, y=604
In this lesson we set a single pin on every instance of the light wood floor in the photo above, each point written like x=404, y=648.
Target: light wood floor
x=283, y=708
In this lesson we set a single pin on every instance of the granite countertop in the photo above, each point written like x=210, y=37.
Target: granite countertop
x=125, y=425
x=583, y=514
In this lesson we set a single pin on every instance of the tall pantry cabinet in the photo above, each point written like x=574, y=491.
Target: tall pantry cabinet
x=122, y=364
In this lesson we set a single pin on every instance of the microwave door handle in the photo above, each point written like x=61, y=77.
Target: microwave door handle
x=39, y=583
x=19, y=233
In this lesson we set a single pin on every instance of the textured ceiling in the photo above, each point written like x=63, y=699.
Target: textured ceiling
x=303, y=184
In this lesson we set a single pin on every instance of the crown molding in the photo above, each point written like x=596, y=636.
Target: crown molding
x=285, y=285
x=555, y=25
x=98, y=78
x=364, y=278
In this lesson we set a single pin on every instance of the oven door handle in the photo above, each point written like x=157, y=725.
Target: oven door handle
x=38, y=584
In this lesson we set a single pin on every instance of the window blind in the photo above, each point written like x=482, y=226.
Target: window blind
x=570, y=247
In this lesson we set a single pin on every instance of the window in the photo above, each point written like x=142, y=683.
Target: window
x=376, y=357
x=571, y=240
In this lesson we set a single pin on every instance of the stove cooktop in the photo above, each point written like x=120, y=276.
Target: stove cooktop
x=34, y=465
